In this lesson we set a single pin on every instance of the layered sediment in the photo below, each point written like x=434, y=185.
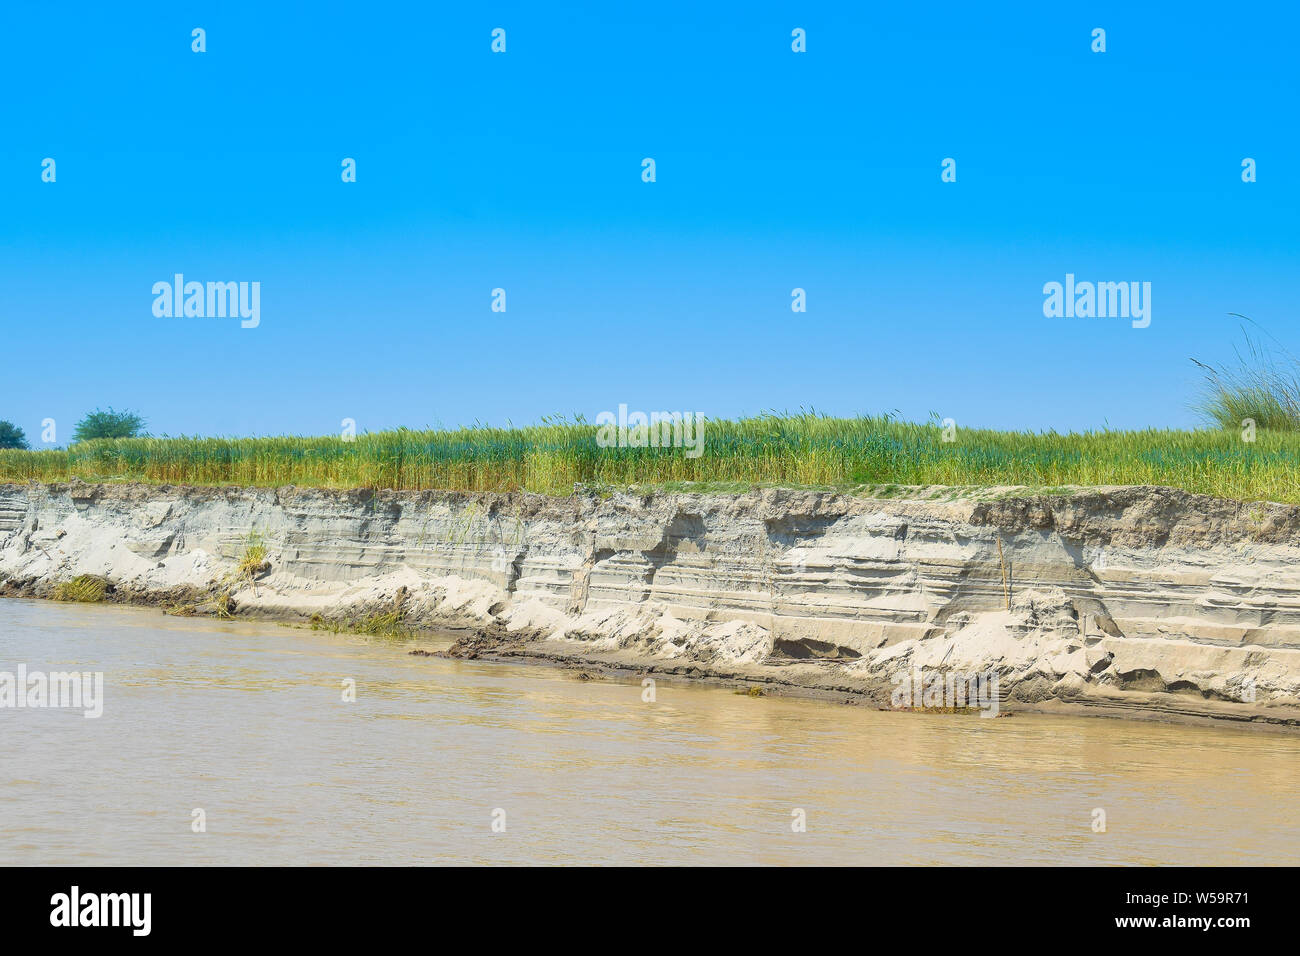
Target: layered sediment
x=1133, y=601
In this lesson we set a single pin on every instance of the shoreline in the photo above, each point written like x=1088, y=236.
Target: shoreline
x=1133, y=602
x=481, y=646
x=1148, y=711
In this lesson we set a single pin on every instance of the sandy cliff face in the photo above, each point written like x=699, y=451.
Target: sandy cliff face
x=1146, y=600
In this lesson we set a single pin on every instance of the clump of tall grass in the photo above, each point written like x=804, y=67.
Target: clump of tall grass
x=253, y=560
x=386, y=624
x=84, y=589
x=1261, y=386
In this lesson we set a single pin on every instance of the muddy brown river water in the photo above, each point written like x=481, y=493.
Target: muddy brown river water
x=248, y=724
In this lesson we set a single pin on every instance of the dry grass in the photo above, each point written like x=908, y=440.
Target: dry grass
x=85, y=589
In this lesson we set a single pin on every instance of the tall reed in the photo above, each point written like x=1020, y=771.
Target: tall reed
x=805, y=449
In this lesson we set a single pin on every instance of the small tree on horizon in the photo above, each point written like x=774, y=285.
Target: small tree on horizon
x=109, y=424
x=11, y=436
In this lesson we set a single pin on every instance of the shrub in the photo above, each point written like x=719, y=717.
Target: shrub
x=109, y=424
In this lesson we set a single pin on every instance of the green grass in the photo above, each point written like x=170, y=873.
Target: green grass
x=804, y=450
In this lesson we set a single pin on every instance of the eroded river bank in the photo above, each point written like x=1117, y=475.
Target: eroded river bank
x=1132, y=601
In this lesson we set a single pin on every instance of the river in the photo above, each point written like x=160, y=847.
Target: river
x=241, y=731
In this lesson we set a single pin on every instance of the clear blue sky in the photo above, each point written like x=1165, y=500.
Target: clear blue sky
x=523, y=171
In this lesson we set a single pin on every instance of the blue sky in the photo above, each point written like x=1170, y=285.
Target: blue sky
x=522, y=170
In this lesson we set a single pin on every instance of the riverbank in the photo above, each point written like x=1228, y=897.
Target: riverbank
x=1140, y=602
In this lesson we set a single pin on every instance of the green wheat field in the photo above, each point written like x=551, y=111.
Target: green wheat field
x=801, y=450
